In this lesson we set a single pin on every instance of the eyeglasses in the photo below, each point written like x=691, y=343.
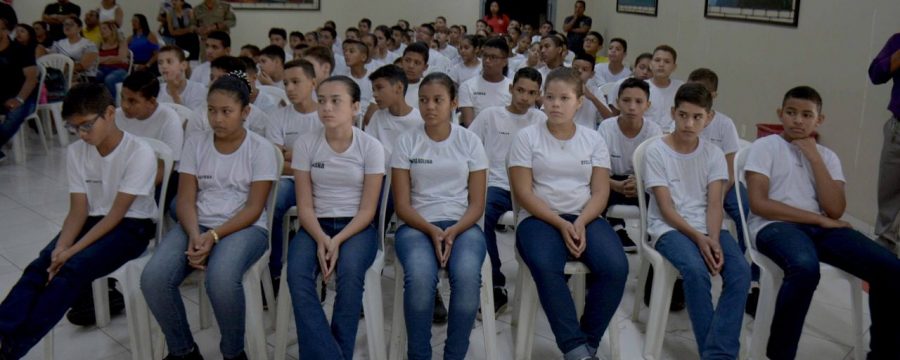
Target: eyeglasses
x=85, y=128
x=492, y=57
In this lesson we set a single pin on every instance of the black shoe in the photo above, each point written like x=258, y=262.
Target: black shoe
x=440, y=311
x=82, y=312
x=193, y=355
x=501, y=299
x=752, y=300
x=677, y=303
x=241, y=356
x=627, y=243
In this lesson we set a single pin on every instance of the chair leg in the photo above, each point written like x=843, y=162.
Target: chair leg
x=579, y=283
x=205, y=306
x=528, y=304
x=100, y=289
x=48, y=346
x=643, y=270
x=374, y=311
x=765, y=309
x=487, y=311
x=663, y=284
x=283, y=319
x=856, y=300
x=254, y=326
x=269, y=293
x=40, y=130
x=615, y=352
x=56, y=110
x=398, y=326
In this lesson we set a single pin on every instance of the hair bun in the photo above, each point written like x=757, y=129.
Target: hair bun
x=240, y=74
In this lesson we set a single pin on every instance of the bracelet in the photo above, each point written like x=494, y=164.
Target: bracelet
x=214, y=235
x=20, y=100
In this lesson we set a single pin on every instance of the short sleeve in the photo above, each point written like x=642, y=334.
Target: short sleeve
x=477, y=156
x=655, y=167
x=479, y=125
x=273, y=131
x=400, y=156
x=265, y=163
x=729, y=136
x=600, y=153
x=301, y=159
x=465, y=95
x=759, y=160
x=586, y=21
x=89, y=47
x=195, y=123
x=521, y=151
x=718, y=167
x=75, y=170
x=140, y=173
x=173, y=136
x=188, y=163
x=833, y=163
x=374, y=157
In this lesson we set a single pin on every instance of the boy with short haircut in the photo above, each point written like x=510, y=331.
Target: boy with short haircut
x=615, y=69
x=278, y=37
x=266, y=102
x=489, y=89
x=592, y=110
x=623, y=134
x=394, y=116
x=218, y=44
x=414, y=62
x=351, y=33
x=685, y=176
x=641, y=71
x=110, y=220
x=328, y=40
x=796, y=191
x=442, y=36
x=295, y=38
x=322, y=60
x=497, y=127
x=663, y=87
x=437, y=62
x=356, y=53
x=364, y=25
x=141, y=115
x=251, y=51
x=271, y=66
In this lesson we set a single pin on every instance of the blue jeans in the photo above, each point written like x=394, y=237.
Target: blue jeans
x=798, y=249
x=731, y=208
x=498, y=203
x=14, y=120
x=225, y=268
x=420, y=278
x=542, y=248
x=717, y=330
x=284, y=200
x=355, y=258
x=110, y=77
x=33, y=306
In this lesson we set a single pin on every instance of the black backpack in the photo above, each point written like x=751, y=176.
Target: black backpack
x=55, y=82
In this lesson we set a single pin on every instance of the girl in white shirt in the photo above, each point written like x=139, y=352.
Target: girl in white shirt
x=177, y=88
x=559, y=174
x=439, y=180
x=338, y=172
x=226, y=175
x=470, y=66
x=82, y=51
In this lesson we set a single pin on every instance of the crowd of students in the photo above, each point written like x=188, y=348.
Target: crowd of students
x=466, y=125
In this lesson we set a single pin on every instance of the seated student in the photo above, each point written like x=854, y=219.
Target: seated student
x=266, y=102
x=377, y=54
x=323, y=62
x=257, y=121
x=217, y=44
x=437, y=62
x=226, y=174
x=327, y=37
x=286, y=126
x=271, y=66
x=796, y=191
x=338, y=170
x=592, y=110
x=489, y=89
x=532, y=59
x=110, y=221
x=176, y=88
x=311, y=38
x=351, y=33
x=356, y=54
x=593, y=42
x=397, y=44
x=83, y=52
x=251, y=51
x=615, y=69
x=469, y=65
x=685, y=176
x=559, y=174
x=623, y=134
x=641, y=72
x=497, y=126
x=439, y=176
x=414, y=62
x=295, y=38
x=278, y=37
x=553, y=52
x=299, y=50
x=663, y=87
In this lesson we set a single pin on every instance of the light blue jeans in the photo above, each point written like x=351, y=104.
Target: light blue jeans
x=225, y=268
x=420, y=277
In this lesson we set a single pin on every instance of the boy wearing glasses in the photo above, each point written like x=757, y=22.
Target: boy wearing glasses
x=489, y=89
x=111, y=209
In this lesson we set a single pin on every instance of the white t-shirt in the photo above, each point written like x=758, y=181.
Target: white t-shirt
x=201, y=73
x=544, y=70
x=613, y=97
x=412, y=94
x=163, y=125
x=722, y=133
x=337, y=178
x=130, y=168
x=497, y=128
x=661, y=102
x=387, y=128
x=561, y=169
x=439, y=171
x=193, y=96
x=603, y=75
x=223, y=180
x=461, y=73
x=365, y=91
x=257, y=122
x=791, y=180
x=687, y=176
x=340, y=64
x=288, y=124
x=437, y=62
x=451, y=53
x=77, y=51
x=267, y=102
x=480, y=94
x=588, y=115
x=621, y=148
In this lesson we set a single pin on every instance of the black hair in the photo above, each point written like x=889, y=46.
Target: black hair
x=404, y=23
x=429, y=27
x=385, y=30
x=634, y=83
x=77, y=21
x=499, y=43
x=397, y=28
x=367, y=22
x=87, y=99
x=32, y=36
x=393, y=73
x=142, y=82
x=359, y=45
x=694, y=93
x=330, y=23
x=441, y=17
x=706, y=77
x=322, y=54
x=581, y=2
x=597, y=35
x=559, y=40
x=228, y=64
x=581, y=55
x=669, y=50
x=802, y=93
x=179, y=53
x=419, y=48
x=315, y=34
x=308, y=69
x=254, y=50
x=233, y=85
x=566, y=75
x=352, y=29
x=443, y=80
x=548, y=22
x=296, y=34
x=622, y=42
x=278, y=31
x=475, y=40
x=528, y=73
x=370, y=35
x=331, y=31
x=143, y=24
x=249, y=64
x=643, y=56
x=221, y=36
x=352, y=87
x=273, y=52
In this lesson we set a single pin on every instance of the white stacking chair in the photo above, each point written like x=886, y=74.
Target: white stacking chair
x=372, y=300
x=184, y=113
x=275, y=92
x=18, y=141
x=67, y=66
x=130, y=61
x=606, y=89
x=488, y=320
x=128, y=276
x=771, y=277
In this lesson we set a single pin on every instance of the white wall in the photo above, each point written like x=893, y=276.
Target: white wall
x=830, y=51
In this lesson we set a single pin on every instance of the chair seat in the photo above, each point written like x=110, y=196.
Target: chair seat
x=624, y=212
x=508, y=219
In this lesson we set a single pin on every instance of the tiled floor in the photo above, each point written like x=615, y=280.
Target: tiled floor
x=33, y=203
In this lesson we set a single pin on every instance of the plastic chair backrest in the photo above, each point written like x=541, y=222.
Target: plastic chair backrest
x=382, y=210
x=42, y=74
x=740, y=161
x=638, y=160
x=62, y=63
x=607, y=88
x=163, y=152
x=184, y=112
x=274, y=92
x=130, y=61
x=273, y=191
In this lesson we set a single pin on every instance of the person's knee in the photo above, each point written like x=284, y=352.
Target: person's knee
x=223, y=285
x=803, y=270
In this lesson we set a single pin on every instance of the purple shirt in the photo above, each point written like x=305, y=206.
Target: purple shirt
x=880, y=72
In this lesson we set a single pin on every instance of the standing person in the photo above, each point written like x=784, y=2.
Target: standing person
x=111, y=11
x=56, y=13
x=179, y=25
x=577, y=26
x=495, y=19
x=142, y=43
x=212, y=15
x=20, y=78
x=886, y=67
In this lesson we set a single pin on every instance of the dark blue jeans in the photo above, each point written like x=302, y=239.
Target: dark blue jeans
x=731, y=208
x=498, y=203
x=14, y=120
x=798, y=249
x=284, y=200
x=544, y=252
x=355, y=258
x=34, y=306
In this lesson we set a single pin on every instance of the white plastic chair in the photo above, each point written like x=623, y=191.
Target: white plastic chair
x=130, y=61
x=128, y=276
x=771, y=277
x=275, y=92
x=67, y=66
x=184, y=113
x=18, y=141
x=372, y=301
x=606, y=89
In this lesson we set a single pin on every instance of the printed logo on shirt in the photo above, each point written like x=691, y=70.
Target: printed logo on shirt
x=715, y=140
x=507, y=133
x=615, y=156
x=420, y=161
x=585, y=162
x=93, y=181
x=479, y=93
x=204, y=177
x=318, y=165
x=289, y=133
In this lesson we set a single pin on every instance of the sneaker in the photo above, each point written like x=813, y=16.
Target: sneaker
x=193, y=355
x=82, y=312
x=752, y=300
x=440, y=311
x=627, y=243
